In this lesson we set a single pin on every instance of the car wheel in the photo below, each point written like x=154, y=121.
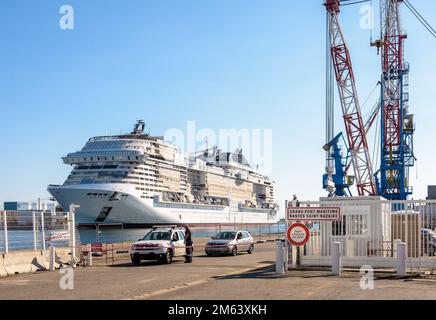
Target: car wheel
x=168, y=258
x=136, y=261
x=209, y=254
x=234, y=251
x=250, y=251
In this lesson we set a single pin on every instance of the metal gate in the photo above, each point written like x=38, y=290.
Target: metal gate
x=369, y=230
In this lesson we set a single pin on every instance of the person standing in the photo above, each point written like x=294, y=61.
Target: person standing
x=188, y=244
x=295, y=202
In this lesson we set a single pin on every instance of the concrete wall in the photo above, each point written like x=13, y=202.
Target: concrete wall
x=30, y=261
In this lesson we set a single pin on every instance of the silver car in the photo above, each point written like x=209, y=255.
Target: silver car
x=230, y=242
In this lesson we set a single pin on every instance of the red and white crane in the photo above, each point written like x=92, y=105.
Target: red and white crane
x=354, y=125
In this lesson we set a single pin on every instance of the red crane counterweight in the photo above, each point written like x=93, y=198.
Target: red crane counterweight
x=333, y=6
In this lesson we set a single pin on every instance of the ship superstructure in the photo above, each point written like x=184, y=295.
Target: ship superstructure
x=141, y=179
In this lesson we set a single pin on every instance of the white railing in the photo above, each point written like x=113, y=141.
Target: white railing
x=370, y=230
x=32, y=230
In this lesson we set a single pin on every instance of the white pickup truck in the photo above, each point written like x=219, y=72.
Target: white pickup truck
x=161, y=244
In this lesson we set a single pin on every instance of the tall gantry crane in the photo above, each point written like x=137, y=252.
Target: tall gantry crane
x=397, y=125
x=354, y=125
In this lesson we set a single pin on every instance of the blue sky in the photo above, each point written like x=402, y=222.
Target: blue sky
x=223, y=63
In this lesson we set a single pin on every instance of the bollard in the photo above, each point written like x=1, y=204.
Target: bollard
x=52, y=252
x=90, y=258
x=280, y=259
x=401, y=259
x=336, y=258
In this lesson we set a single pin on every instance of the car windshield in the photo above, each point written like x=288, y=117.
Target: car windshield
x=225, y=236
x=158, y=235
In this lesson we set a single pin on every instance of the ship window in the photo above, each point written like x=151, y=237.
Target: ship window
x=110, y=167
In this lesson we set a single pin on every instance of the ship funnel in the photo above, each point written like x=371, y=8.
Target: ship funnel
x=139, y=127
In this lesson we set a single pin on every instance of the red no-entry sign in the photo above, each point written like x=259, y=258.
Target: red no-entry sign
x=298, y=234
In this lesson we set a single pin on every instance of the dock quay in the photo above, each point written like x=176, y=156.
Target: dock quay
x=250, y=277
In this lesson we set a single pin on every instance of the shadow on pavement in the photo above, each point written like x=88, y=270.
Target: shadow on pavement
x=268, y=272
x=143, y=264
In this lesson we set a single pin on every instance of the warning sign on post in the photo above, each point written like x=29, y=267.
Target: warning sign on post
x=314, y=214
x=298, y=234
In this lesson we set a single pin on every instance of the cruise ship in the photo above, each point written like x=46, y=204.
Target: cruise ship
x=139, y=179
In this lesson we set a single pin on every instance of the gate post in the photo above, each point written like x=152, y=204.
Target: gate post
x=280, y=258
x=401, y=259
x=72, y=223
x=336, y=258
x=35, y=245
x=42, y=232
x=286, y=255
x=5, y=231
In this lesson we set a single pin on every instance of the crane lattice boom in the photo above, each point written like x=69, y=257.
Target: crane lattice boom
x=354, y=126
x=397, y=124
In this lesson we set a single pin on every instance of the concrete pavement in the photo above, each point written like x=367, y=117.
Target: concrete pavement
x=246, y=277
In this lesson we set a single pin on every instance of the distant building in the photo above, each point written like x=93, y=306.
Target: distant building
x=43, y=205
x=431, y=193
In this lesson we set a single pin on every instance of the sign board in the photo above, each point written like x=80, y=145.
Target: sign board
x=97, y=247
x=298, y=234
x=314, y=214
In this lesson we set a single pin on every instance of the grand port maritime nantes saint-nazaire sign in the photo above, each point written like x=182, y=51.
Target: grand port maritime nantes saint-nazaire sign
x=314, y=214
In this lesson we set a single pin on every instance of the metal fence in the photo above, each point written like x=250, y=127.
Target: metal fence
x=118, y=233
x=32, y=230
x=111, y=242
x=369, y=231
x=37, y=230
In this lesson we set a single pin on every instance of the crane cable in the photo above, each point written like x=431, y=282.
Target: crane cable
x=355, y=2
x=420, y=18
x=376, y=147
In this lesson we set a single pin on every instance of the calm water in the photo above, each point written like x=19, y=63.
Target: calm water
x=128, y=235
x=23, y=239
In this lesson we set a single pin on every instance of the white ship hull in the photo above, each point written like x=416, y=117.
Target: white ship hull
x=95, y=202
